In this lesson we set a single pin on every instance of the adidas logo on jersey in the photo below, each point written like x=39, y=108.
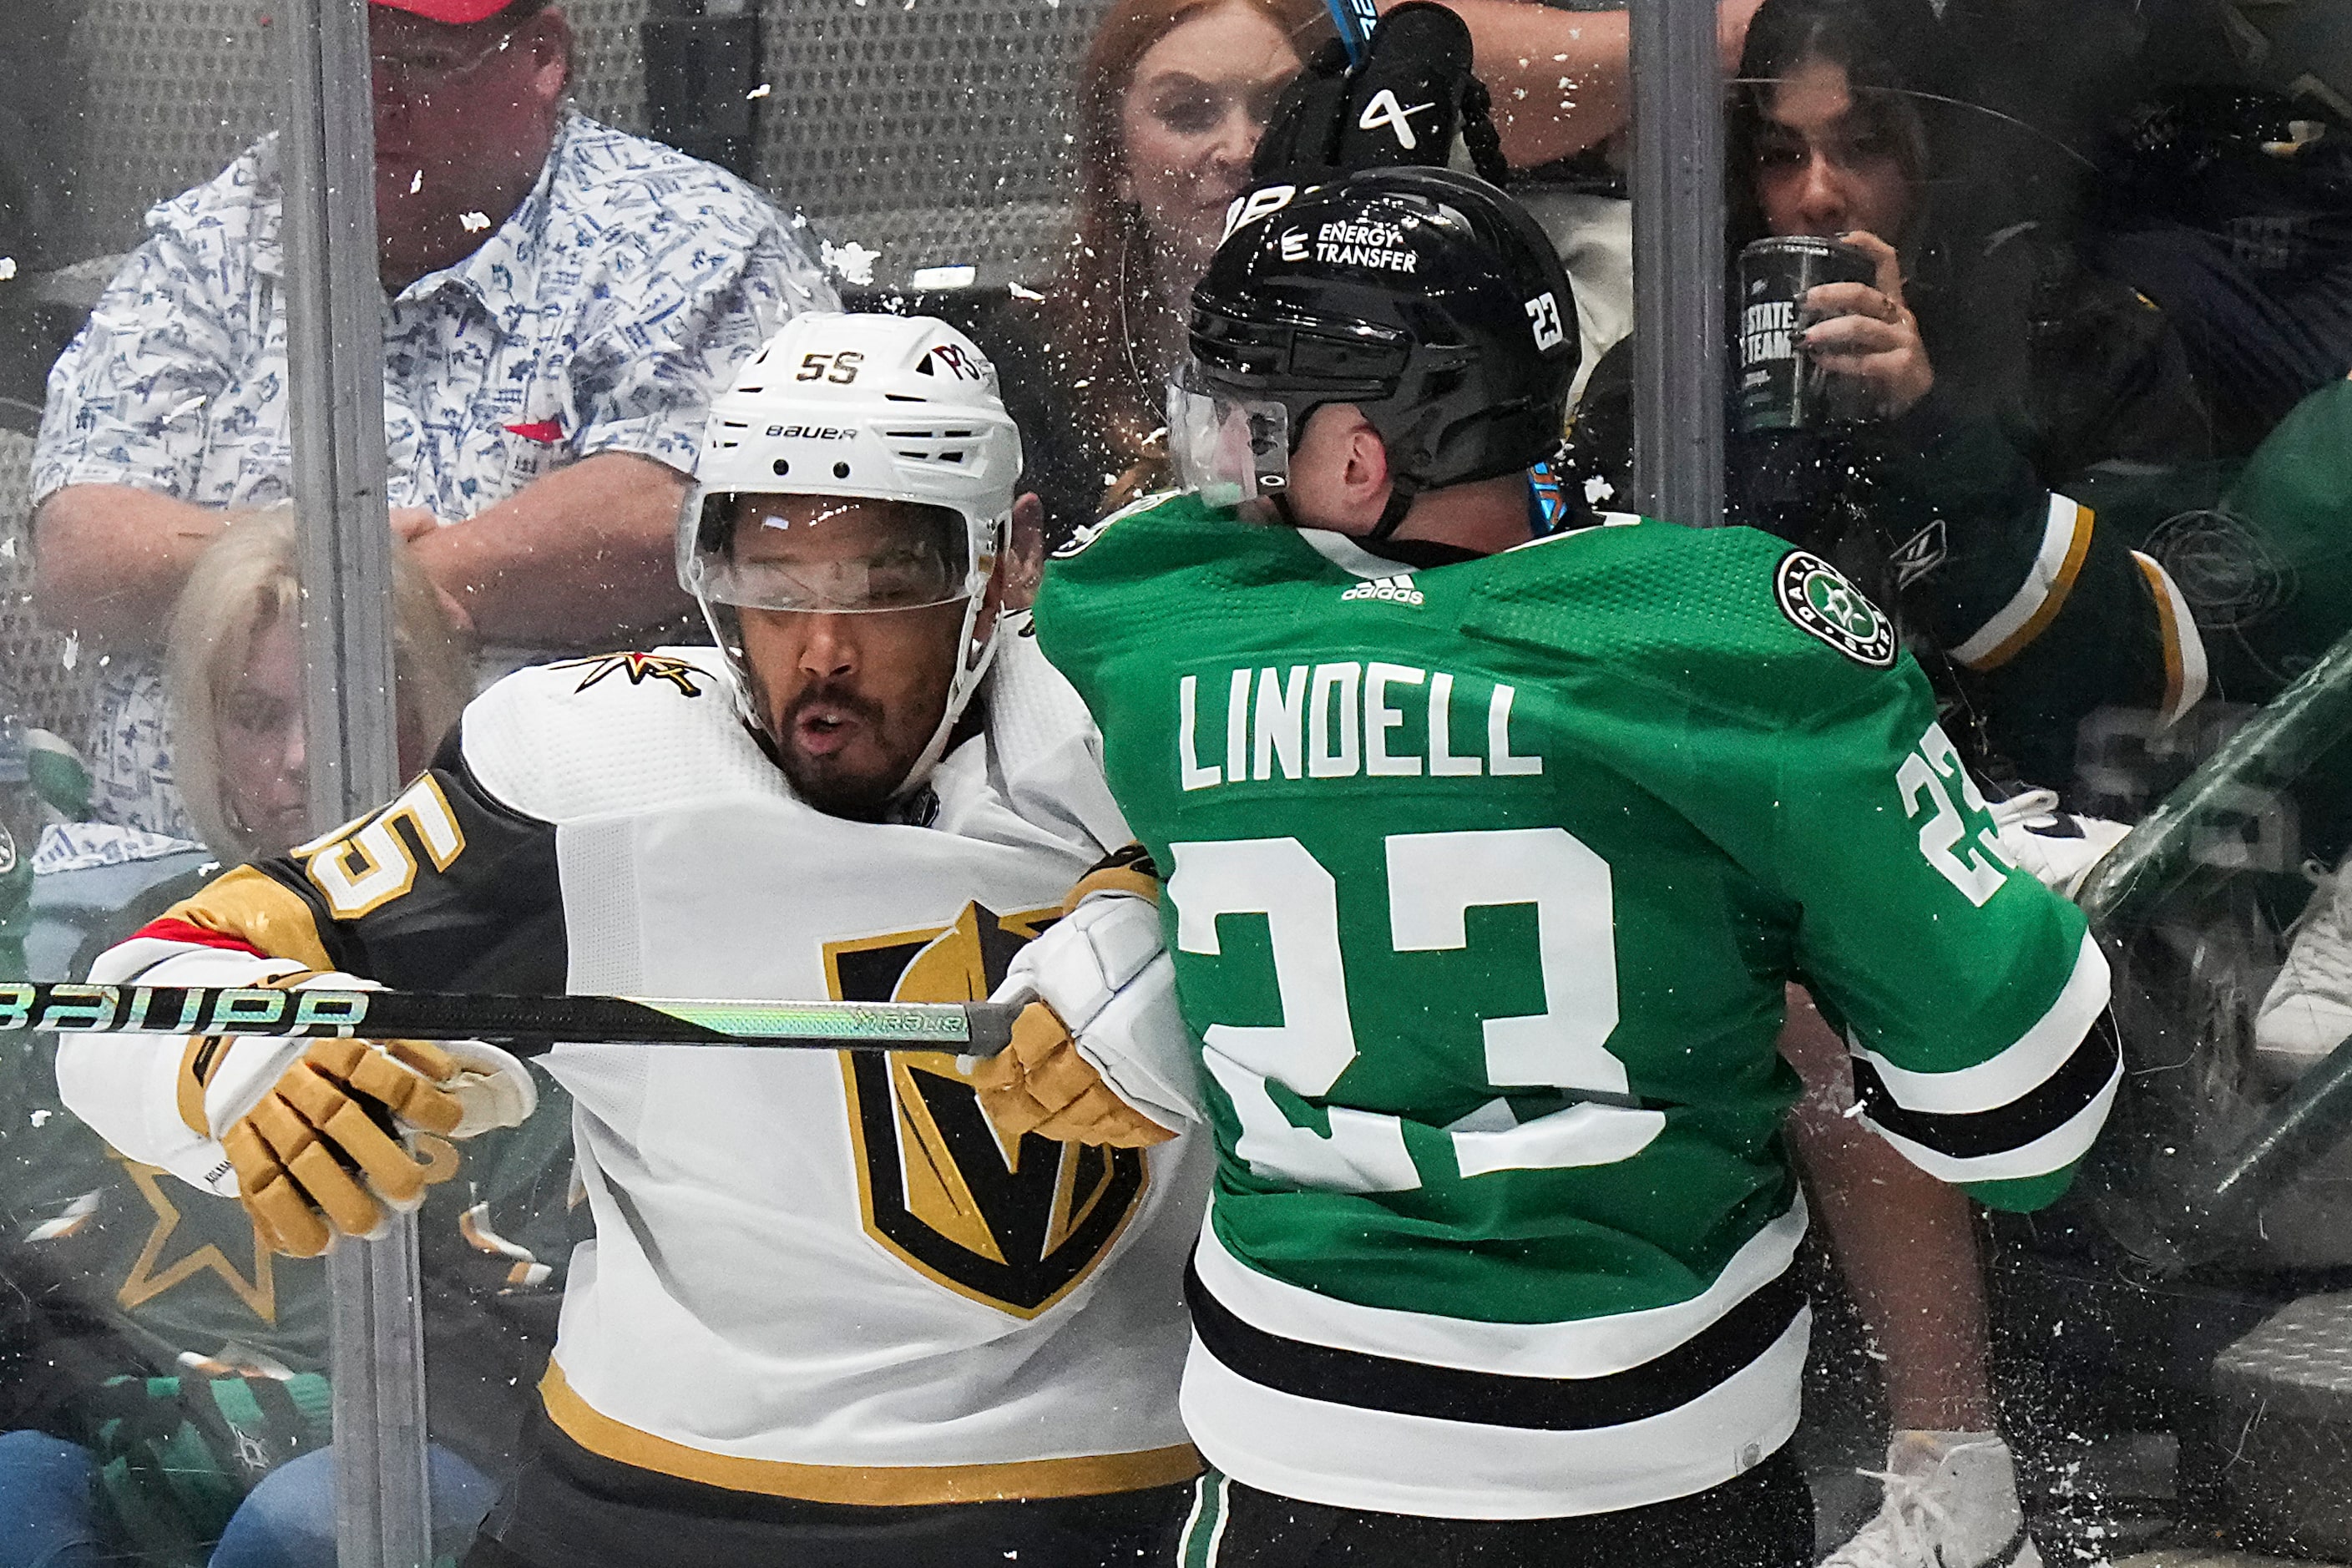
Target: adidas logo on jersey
x=1399, y=589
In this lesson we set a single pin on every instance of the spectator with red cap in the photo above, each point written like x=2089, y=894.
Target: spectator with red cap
x=561, y=300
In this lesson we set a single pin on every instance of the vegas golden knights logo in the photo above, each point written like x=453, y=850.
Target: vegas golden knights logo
x=1014, y=1227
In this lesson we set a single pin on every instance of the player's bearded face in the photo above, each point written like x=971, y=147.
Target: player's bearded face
x=850, y=700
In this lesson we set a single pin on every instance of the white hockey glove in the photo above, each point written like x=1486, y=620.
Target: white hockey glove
x=310, y=1135
x=2058, y=848
x=1100, y=1055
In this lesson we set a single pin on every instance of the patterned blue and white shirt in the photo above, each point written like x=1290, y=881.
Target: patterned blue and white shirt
x=601, y=316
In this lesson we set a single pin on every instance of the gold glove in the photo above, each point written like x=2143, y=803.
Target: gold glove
x=321, y=1154
x=1041, y=1084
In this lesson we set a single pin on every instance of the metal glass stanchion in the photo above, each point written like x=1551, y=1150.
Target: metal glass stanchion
x=335, y=338
x=1678, y=266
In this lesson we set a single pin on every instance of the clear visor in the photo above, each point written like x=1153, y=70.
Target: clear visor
x=834, y=554
x=1229, y=449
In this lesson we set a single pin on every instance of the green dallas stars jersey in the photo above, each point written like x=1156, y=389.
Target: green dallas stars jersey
x=1484, y=883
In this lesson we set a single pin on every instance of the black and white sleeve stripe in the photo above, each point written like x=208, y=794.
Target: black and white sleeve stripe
x=2029, y=1110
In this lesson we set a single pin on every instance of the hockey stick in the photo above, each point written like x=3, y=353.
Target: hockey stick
x=2163, y=852
x=528, y=1025
x=1355, y=19
x=2282, y=739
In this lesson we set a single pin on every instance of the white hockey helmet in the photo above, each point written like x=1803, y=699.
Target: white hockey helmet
x=899, y=408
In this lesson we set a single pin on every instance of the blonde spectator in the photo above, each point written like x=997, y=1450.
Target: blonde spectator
x=234, y=660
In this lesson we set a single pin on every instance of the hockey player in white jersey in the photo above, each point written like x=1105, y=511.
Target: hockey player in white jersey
x=829, y=1315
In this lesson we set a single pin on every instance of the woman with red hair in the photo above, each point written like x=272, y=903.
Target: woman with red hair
x=1171, y=101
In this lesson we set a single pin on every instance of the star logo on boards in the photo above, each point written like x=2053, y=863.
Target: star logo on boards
x=639, y=668
x=250, y=1453
x=151, y=1275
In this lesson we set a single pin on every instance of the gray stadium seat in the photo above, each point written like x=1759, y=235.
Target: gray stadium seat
x=37, y=683
x=935, y=132
x=179, y=87
x=176, y=87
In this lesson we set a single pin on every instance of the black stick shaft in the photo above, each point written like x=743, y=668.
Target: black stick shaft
x=526, y=1025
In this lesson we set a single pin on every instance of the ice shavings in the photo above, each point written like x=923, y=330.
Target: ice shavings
x=474, y=222
x=853, y=262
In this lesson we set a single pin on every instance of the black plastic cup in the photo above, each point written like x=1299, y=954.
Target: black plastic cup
x=1780, y=387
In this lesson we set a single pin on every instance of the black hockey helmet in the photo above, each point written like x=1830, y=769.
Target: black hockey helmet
x=1425, y=297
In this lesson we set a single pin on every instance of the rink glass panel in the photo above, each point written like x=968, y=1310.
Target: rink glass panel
x=2169, y=1353
x=2109, y=235
x=159, y=1364
x=153, y=1361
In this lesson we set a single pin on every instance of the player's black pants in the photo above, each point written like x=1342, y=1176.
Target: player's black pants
x=1762, y=1520
x=572, y=1509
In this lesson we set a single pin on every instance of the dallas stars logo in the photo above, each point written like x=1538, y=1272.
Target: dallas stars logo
x=1819, y=601
x=639, y=668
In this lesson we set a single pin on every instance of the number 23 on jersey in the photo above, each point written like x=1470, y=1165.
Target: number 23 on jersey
x=1434, y=880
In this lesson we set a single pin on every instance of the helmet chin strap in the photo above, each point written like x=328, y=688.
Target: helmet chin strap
x=1401, y=498
x=972, y=666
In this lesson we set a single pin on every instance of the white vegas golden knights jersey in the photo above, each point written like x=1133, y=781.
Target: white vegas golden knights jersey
x=814, y=1274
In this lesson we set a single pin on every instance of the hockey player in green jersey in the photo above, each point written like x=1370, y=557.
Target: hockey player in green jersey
x=1487, y=861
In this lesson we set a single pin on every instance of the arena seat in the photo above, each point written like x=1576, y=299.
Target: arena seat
x=938, y=134
x=934, y=133
x=45, y=678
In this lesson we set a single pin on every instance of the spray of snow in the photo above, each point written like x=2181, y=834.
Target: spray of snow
x=853, y=262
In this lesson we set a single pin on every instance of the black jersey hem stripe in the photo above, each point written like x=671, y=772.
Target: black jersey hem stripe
x=2040, y=1112
x=1336, y=1376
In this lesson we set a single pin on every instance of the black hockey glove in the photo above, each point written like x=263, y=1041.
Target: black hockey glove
x=1410, y=102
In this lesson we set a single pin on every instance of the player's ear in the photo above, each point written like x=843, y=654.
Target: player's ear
x=1022, y=565
x=1365, y=481
x=549, y=33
